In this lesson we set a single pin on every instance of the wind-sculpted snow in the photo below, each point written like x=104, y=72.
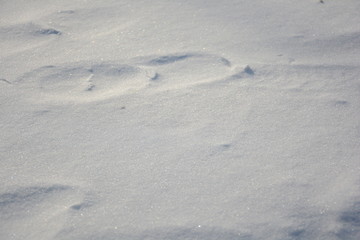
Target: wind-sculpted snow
x=87, y=82
x=179, y=120
x=84, y=82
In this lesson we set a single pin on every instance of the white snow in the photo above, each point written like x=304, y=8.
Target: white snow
x=180, y=120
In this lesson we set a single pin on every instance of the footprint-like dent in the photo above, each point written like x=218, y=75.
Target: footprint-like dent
x=86, y=82
x=81, y=82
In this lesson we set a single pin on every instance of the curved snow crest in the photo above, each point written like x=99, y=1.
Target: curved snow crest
x=88, y=82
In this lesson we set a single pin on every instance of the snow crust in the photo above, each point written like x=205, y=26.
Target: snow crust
x=180, y=120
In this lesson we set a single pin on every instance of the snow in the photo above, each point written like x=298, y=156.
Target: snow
x=180, y=120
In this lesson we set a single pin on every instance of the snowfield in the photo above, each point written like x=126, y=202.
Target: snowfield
x=180, y=120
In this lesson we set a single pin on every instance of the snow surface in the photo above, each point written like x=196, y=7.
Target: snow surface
x=180, y=120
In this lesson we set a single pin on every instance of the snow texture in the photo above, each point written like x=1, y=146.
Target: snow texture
x=180, y=120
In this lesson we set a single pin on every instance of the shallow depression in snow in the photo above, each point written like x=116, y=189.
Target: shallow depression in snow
x=85, y=82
